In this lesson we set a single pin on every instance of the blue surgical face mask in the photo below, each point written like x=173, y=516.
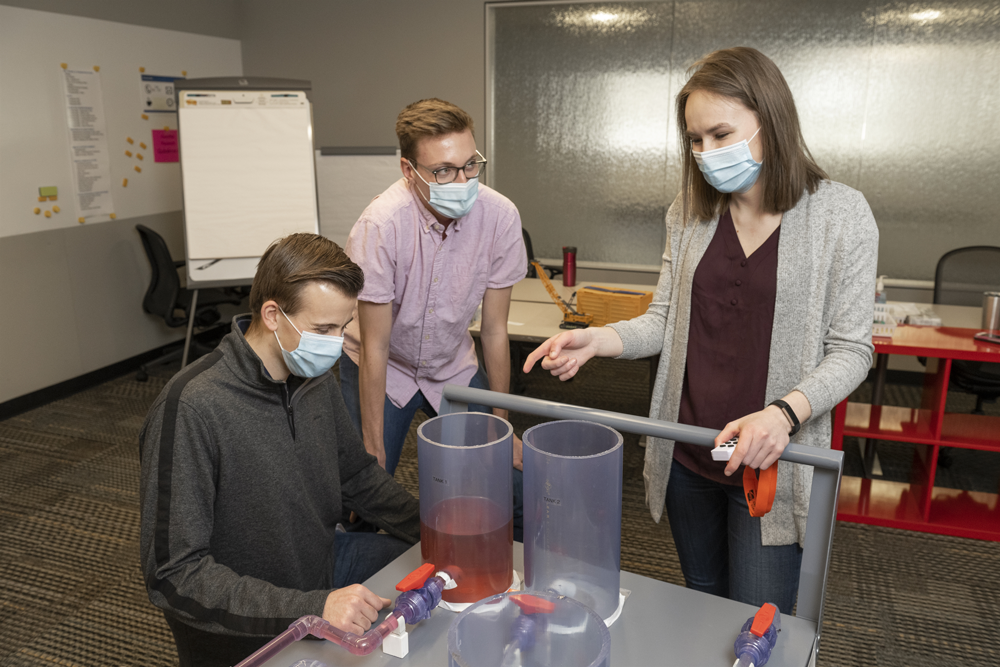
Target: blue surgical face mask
x=730, y=168
x=315, y=354
x=452, y=200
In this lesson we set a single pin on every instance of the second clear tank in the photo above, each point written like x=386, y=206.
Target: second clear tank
x=573, y=512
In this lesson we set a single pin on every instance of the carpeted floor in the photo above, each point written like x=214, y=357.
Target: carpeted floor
x=71, y=593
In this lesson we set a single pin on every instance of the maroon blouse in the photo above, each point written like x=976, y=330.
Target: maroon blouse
x=729, y=341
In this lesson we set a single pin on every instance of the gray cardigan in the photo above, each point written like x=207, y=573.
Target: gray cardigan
x=820, y=341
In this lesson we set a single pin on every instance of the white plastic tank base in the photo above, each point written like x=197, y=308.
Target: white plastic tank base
x=494, y=633
x=573, y=512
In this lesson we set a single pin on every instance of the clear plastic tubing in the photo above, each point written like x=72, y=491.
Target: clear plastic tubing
x=466, y=503
x=573, y=512
x=496, y=633
x=411, y=608
x=317, y=627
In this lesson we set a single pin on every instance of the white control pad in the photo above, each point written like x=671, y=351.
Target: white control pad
x=724, y=451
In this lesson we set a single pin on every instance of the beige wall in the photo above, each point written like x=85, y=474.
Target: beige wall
x=73, y=297
x=367, y=60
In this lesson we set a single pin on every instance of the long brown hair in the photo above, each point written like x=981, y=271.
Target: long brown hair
x=752, y=79
x=290, y=263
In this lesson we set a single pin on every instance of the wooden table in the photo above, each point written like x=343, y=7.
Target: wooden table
x=533, y=319
x=918, y=504
x=532, y=289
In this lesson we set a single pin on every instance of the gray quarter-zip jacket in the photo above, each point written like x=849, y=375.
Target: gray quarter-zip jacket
x=243, y=483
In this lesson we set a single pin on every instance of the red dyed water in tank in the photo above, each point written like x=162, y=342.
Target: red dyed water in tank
x=465, y=535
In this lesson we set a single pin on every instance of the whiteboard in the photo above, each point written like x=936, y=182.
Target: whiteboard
x=348, y=179
x=34, y=136
x=248, y=171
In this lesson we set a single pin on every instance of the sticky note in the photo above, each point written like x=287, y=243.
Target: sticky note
x=138, y=168
x=48, y=214
x=63, y=65
x=53, y=198
x=113, y=216
x=43, y=199
x=81, y=220
x=124, y=182
x=165, y=146
x=129, y=139
x=139, y=155
x=55, y=208
x=49, y=191
x=142, y=69
x=128, y=153
x=145, y=117
x=97, y=68
x=142, y=145
x=37, y=210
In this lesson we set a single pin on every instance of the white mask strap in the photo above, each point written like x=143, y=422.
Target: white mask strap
x=290, y=322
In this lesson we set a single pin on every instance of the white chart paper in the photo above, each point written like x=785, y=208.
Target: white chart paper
x=247, y=169
x=88, y=144
x=347, y=184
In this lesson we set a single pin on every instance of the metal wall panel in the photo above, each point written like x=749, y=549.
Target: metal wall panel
x=895, y=99
x=931, y=169
x=580, y=121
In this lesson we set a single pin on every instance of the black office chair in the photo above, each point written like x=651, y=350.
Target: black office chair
x=961, y=277
x=167, y=299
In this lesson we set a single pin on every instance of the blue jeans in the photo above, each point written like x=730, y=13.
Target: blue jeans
x=360, y=555
x=718, y=544
x=396, y=424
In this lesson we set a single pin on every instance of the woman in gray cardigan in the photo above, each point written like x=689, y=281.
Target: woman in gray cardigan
x=762, y=316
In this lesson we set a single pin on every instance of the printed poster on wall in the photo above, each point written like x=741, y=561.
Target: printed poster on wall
x=88, y=144
x=156, y=93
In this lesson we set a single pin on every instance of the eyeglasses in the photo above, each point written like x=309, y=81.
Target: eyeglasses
x=446, y=175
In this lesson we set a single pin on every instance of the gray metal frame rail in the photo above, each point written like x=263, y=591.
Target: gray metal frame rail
x=828, y=467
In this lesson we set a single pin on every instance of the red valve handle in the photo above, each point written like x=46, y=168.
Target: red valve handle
x=416, y=578
x=530, y=604
x=763, y=619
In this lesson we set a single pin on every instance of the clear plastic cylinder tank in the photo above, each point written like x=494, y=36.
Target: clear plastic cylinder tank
x=573, y=512
x=498, y=632
x=466, y=503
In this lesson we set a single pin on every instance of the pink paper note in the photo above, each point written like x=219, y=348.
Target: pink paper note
x=165, y=146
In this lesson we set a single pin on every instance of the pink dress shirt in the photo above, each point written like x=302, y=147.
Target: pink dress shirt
x=435, y=282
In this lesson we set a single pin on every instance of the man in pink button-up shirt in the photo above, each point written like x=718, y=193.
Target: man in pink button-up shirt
x=432, y=247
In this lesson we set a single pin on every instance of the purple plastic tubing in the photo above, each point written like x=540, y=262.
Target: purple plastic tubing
x=573, y=512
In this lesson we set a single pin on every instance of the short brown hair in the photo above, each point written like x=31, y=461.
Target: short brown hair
x=752, y=79
x=290, y=263
x=429, y=118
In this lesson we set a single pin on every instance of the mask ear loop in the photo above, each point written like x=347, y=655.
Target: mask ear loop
x=414, y=168
x=293, y=326
x=760, y=493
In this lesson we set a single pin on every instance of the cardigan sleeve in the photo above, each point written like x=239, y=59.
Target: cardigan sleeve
x=643, y=336
x=847, y=342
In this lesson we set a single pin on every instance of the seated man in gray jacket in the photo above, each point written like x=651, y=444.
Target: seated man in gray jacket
x=249, y=460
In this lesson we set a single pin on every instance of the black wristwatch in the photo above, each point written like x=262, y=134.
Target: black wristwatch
x=789, y=415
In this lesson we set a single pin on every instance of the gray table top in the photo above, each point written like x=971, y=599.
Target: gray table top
x=660, y=624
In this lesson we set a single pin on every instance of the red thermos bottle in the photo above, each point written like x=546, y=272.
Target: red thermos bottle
x=569, y=266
